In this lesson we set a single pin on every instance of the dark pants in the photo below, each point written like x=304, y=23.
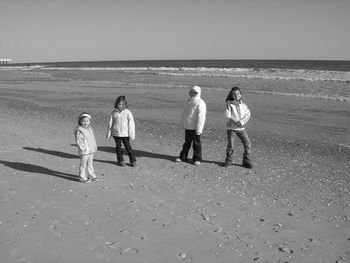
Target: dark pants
x=118, y=148
x=191, y=136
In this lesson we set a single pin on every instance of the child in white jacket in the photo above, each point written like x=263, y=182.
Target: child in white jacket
x=193, y=119
x=237, y=114
x=85, y=140
x=121, y=126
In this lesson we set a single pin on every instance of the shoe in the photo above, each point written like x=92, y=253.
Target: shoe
x=95, y=179
x=197, y=163
x=248, y=165
x=178, y=160
x=121, y=164
x=84, y=181
x=133, y=164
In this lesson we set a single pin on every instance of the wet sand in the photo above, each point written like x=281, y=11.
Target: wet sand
x=293, y=206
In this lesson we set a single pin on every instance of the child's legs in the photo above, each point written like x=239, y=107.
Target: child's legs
x=197, y=147
x=187, y=145
x=90, y=168
x=229, y=150
x=83, y=166
x=128, y=148
x=243, y=135
x=118, y=148
x=230, y=139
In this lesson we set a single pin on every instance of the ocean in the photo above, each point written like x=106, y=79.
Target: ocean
x=314, y=79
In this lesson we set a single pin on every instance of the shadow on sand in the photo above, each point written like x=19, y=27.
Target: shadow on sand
x=31, y=168
x=140, y=153
x=63, y=154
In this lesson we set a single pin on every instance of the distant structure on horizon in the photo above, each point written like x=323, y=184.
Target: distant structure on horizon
x=5, y=60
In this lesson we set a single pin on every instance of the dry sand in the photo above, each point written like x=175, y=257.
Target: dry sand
x=293, y=206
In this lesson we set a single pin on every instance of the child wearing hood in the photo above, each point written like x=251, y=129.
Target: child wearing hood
x=85, y=140
x=193, y=119
x=237, y=114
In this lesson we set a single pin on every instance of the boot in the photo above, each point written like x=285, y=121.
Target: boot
x=246, y=161
x=229, y=157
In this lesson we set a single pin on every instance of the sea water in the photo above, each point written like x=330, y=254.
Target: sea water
x=313, y=77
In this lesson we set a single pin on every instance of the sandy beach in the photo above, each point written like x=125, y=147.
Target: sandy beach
x=293, y=206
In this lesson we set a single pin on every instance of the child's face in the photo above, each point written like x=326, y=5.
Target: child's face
x=85, y=122
x=120, y=106
x=192, y=93
x=237, y=95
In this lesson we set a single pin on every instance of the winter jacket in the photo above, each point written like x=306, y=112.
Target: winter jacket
x=236, y=111
x=85, y=140
x=121, y=124
x=194, y=112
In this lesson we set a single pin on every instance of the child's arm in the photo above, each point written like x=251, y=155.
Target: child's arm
x=79, y=139
x=202, y=111
x=229, y=114
x=110, y=123
x=245, y=117
x=131, y=126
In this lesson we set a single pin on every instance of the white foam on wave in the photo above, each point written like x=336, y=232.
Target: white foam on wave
x=249, y=73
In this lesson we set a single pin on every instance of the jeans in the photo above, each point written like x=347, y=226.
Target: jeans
x=191, y=136
x=86, y=170
x=118, y=148
x=243, y=136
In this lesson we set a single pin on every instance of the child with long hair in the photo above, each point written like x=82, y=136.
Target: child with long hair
x=85, y=140
x=237, y=114
x=121, y=127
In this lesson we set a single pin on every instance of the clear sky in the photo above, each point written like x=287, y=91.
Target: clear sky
x=83, y=30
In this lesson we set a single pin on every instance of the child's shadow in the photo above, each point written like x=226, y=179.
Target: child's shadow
x=140, y=153
x=31, y=168
x=62, y=154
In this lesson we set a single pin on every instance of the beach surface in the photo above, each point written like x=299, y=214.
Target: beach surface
x=293, y=206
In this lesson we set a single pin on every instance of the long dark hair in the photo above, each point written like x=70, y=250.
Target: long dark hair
x=230, y=94
x=120, y=99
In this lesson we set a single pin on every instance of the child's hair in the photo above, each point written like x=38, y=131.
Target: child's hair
x=120, y=99
x=82, y=116
x=230, y=94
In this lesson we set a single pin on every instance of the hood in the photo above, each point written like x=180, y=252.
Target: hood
x=198, y=90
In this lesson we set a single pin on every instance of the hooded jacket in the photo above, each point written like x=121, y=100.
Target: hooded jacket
x=236, y=111
x=85, y=139
x=121, y=124
x=194, y=112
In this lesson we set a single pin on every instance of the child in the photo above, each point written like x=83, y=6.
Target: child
x=85, y=139
x=238, y=115
x=122, y=127
x=193, y=119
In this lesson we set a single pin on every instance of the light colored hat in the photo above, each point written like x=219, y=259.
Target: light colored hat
x=85, y=115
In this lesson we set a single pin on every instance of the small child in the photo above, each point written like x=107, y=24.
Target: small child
x=193, y=119
x=238, y=115
x=85, y=140
x=122, y=127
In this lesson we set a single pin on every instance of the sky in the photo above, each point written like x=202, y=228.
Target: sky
x=98, y=30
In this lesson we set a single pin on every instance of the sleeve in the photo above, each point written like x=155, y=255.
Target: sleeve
x=245, y=117
x=110, y=123
x=229, y=114
x=131, y=126
x=202, y=111
x=79, y=139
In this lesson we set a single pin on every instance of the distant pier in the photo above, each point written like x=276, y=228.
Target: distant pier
x=4, y=60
